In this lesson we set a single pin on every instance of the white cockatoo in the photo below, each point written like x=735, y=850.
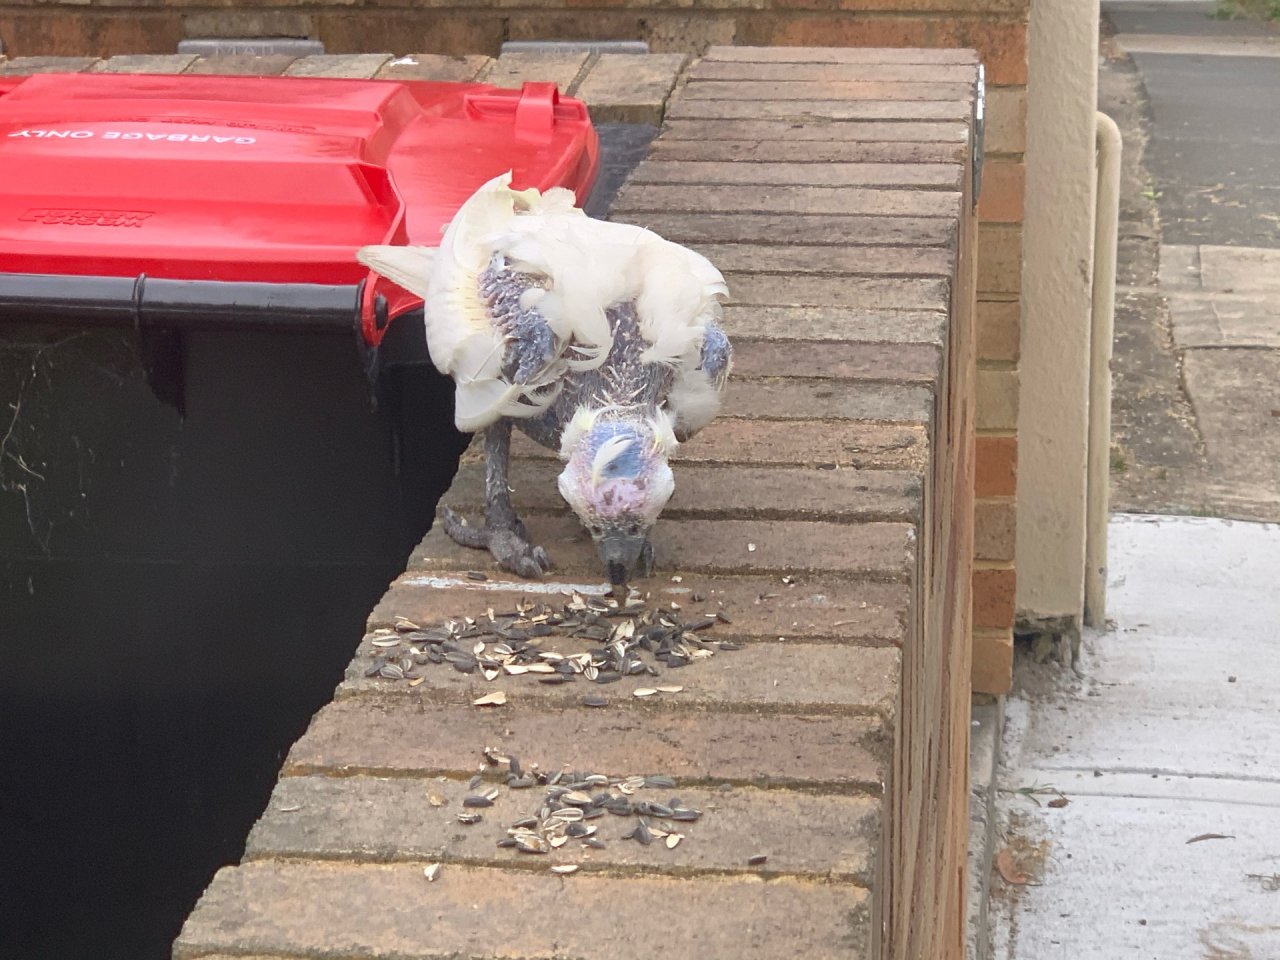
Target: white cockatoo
x=599, y=340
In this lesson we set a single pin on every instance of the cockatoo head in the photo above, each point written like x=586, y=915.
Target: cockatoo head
x=617, y=480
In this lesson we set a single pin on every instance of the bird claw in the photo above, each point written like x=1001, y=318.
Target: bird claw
x=509, y=546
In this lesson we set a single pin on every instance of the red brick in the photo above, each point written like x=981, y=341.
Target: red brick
x=835, y=53
x=809, y=608
x=1003, y=184
x=400, y=739
x=60, y=31
x=347, y=818
x=307, y=908
x=425, y=31
x=992, y=670
x=996, y=467
x=993, y=596
x=1001, y=46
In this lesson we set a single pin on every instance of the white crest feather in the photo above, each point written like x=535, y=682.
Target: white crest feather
x=608, y=452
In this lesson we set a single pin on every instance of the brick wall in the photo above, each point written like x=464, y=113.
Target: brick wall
x=997, y=29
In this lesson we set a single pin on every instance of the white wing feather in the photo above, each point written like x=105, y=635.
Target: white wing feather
x=586, y=267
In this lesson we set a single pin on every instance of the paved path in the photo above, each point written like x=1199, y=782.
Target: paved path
x=1198, y=340
x=1167, y=751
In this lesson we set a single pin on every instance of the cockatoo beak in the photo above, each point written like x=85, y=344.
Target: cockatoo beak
x=625, y=554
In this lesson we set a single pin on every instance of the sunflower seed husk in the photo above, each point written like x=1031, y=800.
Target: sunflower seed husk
x=435, y=800
x=531, y=844
x=470, y=818
x=757, y=859
x=431, y=872
x=669, y=688
x=476, y=575
x=643, y=692
x=564, y=868
x=476, y=800
x=673, y=839
x=594, y=843
x=660, y=782
x=386, y=642
x=594, y=700
x=495, y=699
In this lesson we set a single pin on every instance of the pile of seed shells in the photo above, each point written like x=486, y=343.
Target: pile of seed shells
x=572, y=800
x=631, y=639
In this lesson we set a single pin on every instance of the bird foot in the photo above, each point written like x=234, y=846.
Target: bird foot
x=510, y=546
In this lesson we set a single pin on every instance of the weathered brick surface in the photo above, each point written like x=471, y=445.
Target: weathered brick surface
x=879, y=550
x=888, y=362
x=351, y=65
x=786, y=198
x=809, y=151
x=834, y=324
x=799, y=110
x=999, y=259
x=809, y=174
x=830, y=261
x=326, y=818
x=29, y=65
x=808, y=608
x=623, y=88
x=1003, y=184
x=402, y=739
x=896, y=446
x=388, y=910
x=995, y=529
x=859, y=292
x=808, y=511
x=146, y=63
x=847, y=678
x=706, y=492
x=514, y=69
x=997, y=399
x=243, y=65
x=779, y=228
x=786, y=131
x=434, y=66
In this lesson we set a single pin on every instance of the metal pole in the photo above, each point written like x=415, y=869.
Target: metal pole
x=1101, y=335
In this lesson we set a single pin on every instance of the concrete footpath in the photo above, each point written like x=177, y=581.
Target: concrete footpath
x=1138, y=798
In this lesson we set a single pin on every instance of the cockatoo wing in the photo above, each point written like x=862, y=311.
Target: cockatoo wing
x=579, y=268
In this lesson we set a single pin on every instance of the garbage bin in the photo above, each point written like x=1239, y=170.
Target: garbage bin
x=219, y=439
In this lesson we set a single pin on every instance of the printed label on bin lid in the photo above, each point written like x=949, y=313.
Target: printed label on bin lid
x=277, y=179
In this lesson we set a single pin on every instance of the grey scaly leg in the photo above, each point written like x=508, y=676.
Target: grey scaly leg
x=503, y=534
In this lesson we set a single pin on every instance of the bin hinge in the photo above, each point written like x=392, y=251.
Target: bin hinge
x=979, y=133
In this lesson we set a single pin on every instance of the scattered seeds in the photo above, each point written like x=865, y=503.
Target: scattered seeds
x=643, y=692
x=431, y=872
x=470, y=818
x=669, y=688
x=565, y=868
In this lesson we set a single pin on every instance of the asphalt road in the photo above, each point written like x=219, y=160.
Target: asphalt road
x=1215, y=150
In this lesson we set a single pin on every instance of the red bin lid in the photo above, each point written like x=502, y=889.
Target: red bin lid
x=274, y=180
